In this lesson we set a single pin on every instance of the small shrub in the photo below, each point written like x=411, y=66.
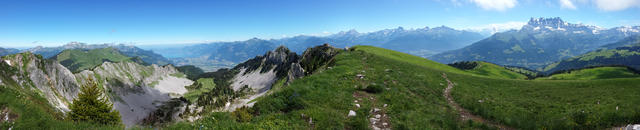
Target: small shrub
x=242, y=114
x=374, y=88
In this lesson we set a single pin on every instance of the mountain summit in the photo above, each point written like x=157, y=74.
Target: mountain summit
x=541, y=42
x=553, y=22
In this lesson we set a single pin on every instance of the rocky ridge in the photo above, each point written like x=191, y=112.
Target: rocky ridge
x=135, y=90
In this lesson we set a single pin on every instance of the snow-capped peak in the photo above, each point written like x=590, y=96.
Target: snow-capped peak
x=552, y=22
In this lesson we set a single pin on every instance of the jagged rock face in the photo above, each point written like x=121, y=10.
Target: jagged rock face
x=260, y=73
x=57, y=84
x=279, y=60
x=314, y=58
x=130, y=74
x=295, y=72
x=135, y=90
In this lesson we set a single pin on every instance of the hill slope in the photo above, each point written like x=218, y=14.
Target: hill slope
x=488, y=69
x=539, y=43
x=628, y=55
x=130, y=51
x=412, y=89
x=594, y=73
x=77, y=60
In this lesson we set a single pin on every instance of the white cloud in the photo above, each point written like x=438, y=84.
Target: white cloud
x=567, y=4
x=456, y=3
x=497, y=27
x=499, y=5
x=616, y=5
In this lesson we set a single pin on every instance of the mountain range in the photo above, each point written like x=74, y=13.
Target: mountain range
x=422, y=42
x=540, y=42
x=128, y=50
x=627, y=54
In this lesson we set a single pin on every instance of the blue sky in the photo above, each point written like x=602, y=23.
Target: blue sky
x=26, y=23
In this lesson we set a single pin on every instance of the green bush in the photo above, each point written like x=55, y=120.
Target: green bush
x=91, y=106
x=242, y=114
x=374, y=88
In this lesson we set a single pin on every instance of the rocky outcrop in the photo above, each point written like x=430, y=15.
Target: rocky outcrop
x=296, y=71
x=255, y=77
x=135, y=90
x=56, y=83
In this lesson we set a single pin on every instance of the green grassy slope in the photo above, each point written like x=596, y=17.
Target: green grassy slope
x=594, y=73
x=413, y=89
x=77, y=60
x=496, y=71
x=201, y=85
x=574, y=104
x=625, y=55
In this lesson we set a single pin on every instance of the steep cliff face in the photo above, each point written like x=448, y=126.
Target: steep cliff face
x=52, y=80
x=135, y=90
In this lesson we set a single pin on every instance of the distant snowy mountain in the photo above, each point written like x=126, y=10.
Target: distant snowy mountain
x=541, y=42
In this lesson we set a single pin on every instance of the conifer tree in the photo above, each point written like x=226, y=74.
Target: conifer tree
x=92, y=106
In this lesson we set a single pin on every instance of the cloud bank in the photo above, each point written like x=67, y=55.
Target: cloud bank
x=616, y=5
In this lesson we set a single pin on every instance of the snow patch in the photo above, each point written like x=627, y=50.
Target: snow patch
x=561, y=29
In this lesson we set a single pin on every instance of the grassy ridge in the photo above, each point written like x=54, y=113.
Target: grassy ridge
x=201, y=85
x=77, y=60
x=594, y=73
x=625, y=55
x=525, y=104
x=413, y=88
x=414, y=96
x=496, y=71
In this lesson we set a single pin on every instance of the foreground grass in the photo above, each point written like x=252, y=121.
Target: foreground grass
x=572, y=104
x=593, y=73
x=495, y=71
